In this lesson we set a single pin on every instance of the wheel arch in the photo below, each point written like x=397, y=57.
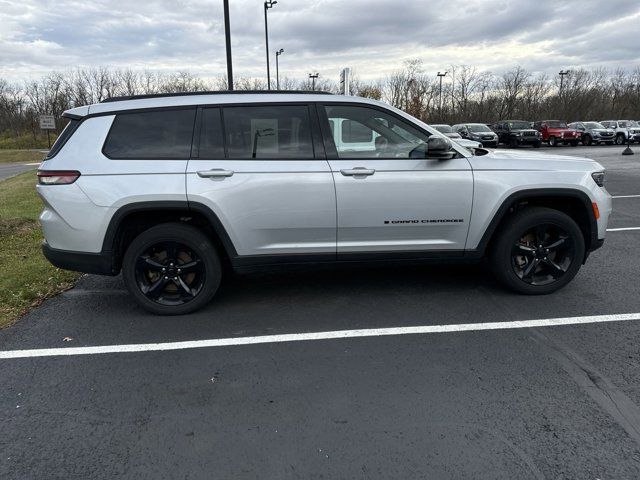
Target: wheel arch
x=573, y=202
x=132, y=219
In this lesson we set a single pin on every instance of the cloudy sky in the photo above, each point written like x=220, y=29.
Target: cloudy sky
x=371, y=36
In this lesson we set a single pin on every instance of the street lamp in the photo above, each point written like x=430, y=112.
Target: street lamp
x=562, y=74
x=313, y=77
x=278, y=53
x=227, y=38
x=441, y=75
x=267, y=5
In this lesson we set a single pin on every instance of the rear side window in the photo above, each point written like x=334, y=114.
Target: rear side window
x=268, y=132
x=63, y=137
x=151, y=135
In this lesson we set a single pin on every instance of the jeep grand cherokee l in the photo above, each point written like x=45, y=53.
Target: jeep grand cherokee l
x=167, y=189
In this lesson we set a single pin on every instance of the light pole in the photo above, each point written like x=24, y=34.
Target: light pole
x=278, y=53
x=441, y=75
x=267, y=5
x=562, y=74
x=227, y=38
x=313, y=77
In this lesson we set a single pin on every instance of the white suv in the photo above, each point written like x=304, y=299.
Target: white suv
x=169, y=188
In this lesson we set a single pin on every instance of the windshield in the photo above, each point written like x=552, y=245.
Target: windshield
x=519, y=125
x=478, y=127
x=443, y=128
x=624, y=124
x=556, y=124
x=593, y=125
x=633, y=123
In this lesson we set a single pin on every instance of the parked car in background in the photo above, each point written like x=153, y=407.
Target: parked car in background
x=515, y=133
x=478, y=132
x=447, y=130
x=625, y=129
x=556, y=132
x=594, y=133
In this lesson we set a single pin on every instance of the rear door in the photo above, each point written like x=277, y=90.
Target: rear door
x=262, y=170
x=388, y=201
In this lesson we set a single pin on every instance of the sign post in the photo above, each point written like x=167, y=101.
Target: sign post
x=48, y=123
x=345, y=81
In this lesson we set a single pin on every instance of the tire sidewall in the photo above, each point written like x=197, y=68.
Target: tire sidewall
x=184, y=234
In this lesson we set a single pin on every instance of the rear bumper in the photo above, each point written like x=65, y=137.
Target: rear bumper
x=98, y=263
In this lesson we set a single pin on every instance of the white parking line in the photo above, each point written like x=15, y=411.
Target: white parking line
x=626, y=229
x=331, y=335
x=626, y=196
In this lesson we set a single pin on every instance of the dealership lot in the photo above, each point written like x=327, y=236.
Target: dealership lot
x=552, y=402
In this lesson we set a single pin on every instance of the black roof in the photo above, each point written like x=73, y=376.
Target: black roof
x=214, y=92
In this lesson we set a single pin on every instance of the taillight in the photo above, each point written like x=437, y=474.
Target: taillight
x=57, y=177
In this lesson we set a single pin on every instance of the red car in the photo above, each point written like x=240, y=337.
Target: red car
x=555, y=132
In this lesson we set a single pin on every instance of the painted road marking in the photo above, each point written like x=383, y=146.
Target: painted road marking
x=626, y=229
x=29, y=164
x=331, y=335
x=626, y=196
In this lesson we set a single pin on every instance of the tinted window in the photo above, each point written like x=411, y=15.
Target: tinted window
x=269, y=132
x=63, y=137
x=151, y=135
x=355, y=132
x=380, y=135
x=211, y=144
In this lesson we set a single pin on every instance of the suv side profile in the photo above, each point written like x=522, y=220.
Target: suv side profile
x=168, y=189
x=624, y=129
x=515, y=133
x=593, y=133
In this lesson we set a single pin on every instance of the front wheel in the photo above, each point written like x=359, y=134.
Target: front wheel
x=553, y=142
x=620, y=139
x=587, y=140
x=537, y=144
x=172, y=269
x=539, y=251
x=574, y=143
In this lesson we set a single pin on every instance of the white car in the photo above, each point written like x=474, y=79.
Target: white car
x=168, y=188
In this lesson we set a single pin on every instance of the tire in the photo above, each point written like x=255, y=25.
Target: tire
x=531, y=269
x=574, y=143
x=553, y=142
x=152, y=262
x=620, y=140
x=537, y=144
x=587, y=140
x=513, y=143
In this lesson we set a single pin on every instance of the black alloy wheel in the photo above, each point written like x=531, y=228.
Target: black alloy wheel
x=543, y=254
x=172, y=269
x=170, y=273
x=587, y=140
x=537, y=251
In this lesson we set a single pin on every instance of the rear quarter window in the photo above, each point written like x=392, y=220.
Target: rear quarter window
x=163, y=135
x=63, y=137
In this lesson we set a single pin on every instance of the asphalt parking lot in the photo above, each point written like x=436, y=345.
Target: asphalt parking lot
x=553, y=402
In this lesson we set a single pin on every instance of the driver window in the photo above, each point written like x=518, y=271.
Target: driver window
x=364, y=132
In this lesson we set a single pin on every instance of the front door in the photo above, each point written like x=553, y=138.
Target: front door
x=386, y=200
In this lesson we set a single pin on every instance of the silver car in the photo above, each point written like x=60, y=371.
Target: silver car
x=169, y=188
x=626, y=130
x=478, y=132
x=594, y=133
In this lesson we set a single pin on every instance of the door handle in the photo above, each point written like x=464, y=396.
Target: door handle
x=357, y=172
x=215, y=173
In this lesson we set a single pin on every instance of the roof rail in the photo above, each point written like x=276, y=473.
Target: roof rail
x=214, y=92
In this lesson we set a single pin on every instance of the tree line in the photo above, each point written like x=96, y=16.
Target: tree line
x=468, y=94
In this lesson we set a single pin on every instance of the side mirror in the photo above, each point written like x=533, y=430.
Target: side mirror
x=437, y=148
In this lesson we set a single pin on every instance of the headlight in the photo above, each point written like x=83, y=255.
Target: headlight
x=598, y=177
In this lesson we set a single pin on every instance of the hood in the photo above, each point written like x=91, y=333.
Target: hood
x=451, y=135
x=528, y=160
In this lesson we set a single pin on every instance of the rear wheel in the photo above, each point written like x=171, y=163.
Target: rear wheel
x=172, y=269
x=574, y=143
x=587, y=140
x=513, y=143
x=539, y=251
